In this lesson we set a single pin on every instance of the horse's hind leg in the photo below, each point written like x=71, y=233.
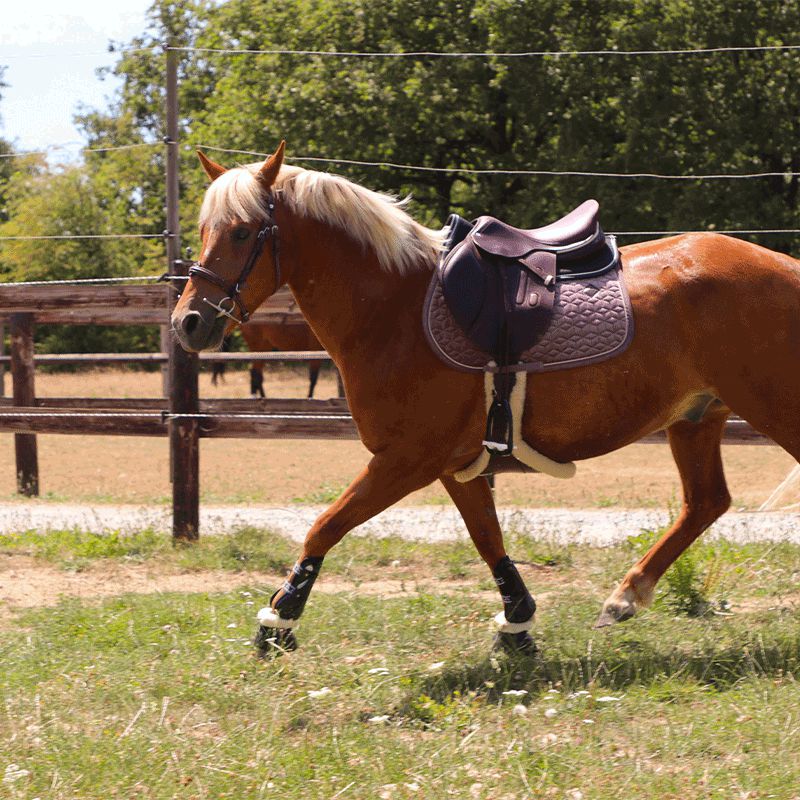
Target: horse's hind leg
x=696, y=449
x=313, y=374
x=475, y=502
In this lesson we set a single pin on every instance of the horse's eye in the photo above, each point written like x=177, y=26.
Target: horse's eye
x=240, y=234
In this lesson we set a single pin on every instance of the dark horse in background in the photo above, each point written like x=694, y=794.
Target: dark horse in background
x=717, y=330
x=263, y=336
x=276, y=336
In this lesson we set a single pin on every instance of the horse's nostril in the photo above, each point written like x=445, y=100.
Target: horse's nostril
x=190, y=323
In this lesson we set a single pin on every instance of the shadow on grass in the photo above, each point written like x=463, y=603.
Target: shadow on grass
x=617, y=666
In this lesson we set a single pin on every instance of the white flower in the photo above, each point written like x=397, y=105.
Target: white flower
x=379, y=719
x=519, y=710
x=581, y=693
x=13, y=773
x=315, y=693
x=588, y=722
x=608, y=699
x=550, y=713
x=436, y=666
x=516, y=693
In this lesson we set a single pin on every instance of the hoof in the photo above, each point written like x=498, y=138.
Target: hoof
x=515, y=643
x=272, y=641
x=614, y=613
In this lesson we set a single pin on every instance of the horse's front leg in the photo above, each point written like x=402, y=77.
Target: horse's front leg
x=475, y=502
x=384, y=481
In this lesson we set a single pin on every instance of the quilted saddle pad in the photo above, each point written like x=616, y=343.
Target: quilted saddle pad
x=592, y=321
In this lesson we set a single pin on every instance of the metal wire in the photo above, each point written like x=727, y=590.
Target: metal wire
x=68, y=146
x=785, y=48
x=531, y=172
x=730, y=232
x=87, y=236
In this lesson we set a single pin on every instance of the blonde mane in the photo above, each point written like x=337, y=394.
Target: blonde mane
x=375, y=220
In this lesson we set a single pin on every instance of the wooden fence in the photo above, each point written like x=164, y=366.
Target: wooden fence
x=25, y=415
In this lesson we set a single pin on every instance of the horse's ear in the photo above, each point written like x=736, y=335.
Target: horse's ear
x=213, y=170
x=272, y=166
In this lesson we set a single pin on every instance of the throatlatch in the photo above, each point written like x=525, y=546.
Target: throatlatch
x=516, y=618
x=286, y=605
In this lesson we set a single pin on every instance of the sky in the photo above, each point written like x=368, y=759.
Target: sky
x=51, y=49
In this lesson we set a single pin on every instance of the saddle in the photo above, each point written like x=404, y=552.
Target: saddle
x=499, y=281
x=502, y=287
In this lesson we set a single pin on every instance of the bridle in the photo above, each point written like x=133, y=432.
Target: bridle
x=233, y=291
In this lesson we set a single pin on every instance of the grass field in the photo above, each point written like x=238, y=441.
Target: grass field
x=121, y=469
x=394, y=693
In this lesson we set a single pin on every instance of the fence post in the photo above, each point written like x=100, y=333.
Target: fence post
x=2, y=365
x=22, y=372
x=184, y=440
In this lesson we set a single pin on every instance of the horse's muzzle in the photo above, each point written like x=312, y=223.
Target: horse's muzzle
x=197, y=331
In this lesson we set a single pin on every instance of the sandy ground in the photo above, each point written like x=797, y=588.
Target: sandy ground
x=27, y=583
x=241, y=472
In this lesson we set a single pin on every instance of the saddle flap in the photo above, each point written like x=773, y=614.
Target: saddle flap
x=492, y=302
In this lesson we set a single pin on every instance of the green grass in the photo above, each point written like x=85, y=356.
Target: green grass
x=159, y=696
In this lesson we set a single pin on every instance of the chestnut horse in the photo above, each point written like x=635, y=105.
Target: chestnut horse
x=717, y=330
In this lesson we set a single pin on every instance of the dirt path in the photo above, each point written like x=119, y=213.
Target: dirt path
x=599, y=527
x=28, y=583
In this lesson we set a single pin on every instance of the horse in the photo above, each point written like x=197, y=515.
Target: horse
x=263, y=336
x=717, y=331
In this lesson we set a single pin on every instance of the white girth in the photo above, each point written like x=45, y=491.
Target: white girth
x=522, y=450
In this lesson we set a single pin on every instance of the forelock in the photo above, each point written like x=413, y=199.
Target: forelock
x=234, y=195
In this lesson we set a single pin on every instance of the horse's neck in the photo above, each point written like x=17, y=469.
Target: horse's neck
x=349, y=300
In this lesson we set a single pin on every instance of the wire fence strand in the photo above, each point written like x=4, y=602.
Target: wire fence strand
x=788, y=174
x=85, y=236
x=69, y=145
x=778, y=48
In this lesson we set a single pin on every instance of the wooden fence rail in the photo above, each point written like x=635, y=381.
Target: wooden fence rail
x=26, y=415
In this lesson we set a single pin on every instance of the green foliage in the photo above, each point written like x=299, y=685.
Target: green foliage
x=679, y=114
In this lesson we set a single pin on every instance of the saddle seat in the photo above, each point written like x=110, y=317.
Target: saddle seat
x=499, y=282
x=578, y=231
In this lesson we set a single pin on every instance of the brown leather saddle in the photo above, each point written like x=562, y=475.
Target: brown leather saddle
x=499, y=283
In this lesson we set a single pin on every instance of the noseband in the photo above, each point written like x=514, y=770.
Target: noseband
x=233, y=291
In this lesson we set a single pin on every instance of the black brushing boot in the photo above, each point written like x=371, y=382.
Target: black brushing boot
x=277, y=620
x=518, y=610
